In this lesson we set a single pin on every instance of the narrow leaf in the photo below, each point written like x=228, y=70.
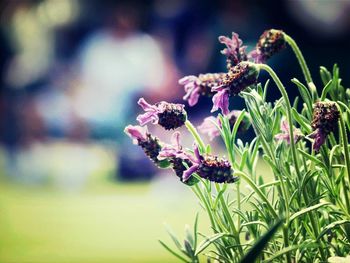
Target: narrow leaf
x=256, y=250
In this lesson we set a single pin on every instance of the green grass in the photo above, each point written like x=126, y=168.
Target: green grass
x=104, y=223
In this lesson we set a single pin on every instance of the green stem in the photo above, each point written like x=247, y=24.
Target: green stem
x=292, y=143
x=300, y=58
x=229, y=219
x=195, y=135
x=344, y=139
x=258, y=191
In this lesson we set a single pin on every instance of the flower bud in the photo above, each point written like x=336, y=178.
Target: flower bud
x=216, y=170
x=240, y=77
x=270, y=43
x=325, y=117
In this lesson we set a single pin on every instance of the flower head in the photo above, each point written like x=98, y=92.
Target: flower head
x=145, y=140
x=210, y=167
x=177, y=156
x=168, y=115
x=285, y=135
x=234, y=50
x=200, y=86
x=236, y=80
x=270, y=42
x=324, y=121
x=210, y=124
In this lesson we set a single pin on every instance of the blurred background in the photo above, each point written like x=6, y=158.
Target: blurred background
x=73, y=187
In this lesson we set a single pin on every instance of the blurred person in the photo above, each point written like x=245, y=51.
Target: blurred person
x=117, y=63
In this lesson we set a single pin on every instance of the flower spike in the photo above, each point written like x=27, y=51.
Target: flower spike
x=168, y=115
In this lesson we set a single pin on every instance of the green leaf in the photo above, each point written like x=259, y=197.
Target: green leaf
x=280, y=253
x=307, y=210
x=256, y=250
x=195, y=229
x=173, y=252
x=326, y=89
x=325, y=75
x=313, y=159
x=331, y=226
x=173, y=237
x=301, y=120
x=304, y=92
x=205, y=243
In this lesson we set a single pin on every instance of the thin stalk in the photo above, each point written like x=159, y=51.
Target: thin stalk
x=300, y=58
x=258, y=191
x=195, y=135
x=229, y=219
x=344, y=139
x=292, y=143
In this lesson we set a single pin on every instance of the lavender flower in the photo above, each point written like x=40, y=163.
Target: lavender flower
x=285, y=136
x=208, y=125
x=168, y=115
x=177, y=156
x=234, y=50
x=211, y=168
x=270, y=42
x=324, y=121
x=236, y=80
x=146, y=141
x=200, y=86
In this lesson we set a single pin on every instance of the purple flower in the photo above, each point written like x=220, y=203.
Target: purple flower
x=149, y=144
x=319, y=137
x=200, y=86
x=174, y=150
x=168, y=115
x=211, y=168
x=270, y=42
x=234, y=50
x=236, y=80
x=210, y=124
x=285, y=135
x=137, y=133
x=221, y=100
x=177, y=156
x=324, y=121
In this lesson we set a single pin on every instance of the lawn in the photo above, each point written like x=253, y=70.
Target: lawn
x=104, y=223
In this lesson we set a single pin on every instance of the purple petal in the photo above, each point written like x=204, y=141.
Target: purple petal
x=193, y=96
x=319, y=139
x=208, y=127
x=146, y=106
x=167, y=152
x=256, y=56
x=147, y=117
x=283, y=137
x=175, y=140
x=284, y=126
x=188, y=79
x=221, y=100
x=187, y=174
x=197, y=154
x=136, y=132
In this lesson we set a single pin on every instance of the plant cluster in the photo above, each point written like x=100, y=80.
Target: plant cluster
x=303, y=213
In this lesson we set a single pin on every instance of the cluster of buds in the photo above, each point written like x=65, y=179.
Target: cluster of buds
x=149, y=144
x=200, y=86
x=241, y=73
x=270, y=43
x=324, y=121
x=210, y=167
x=236, y=80
x=168, y=115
